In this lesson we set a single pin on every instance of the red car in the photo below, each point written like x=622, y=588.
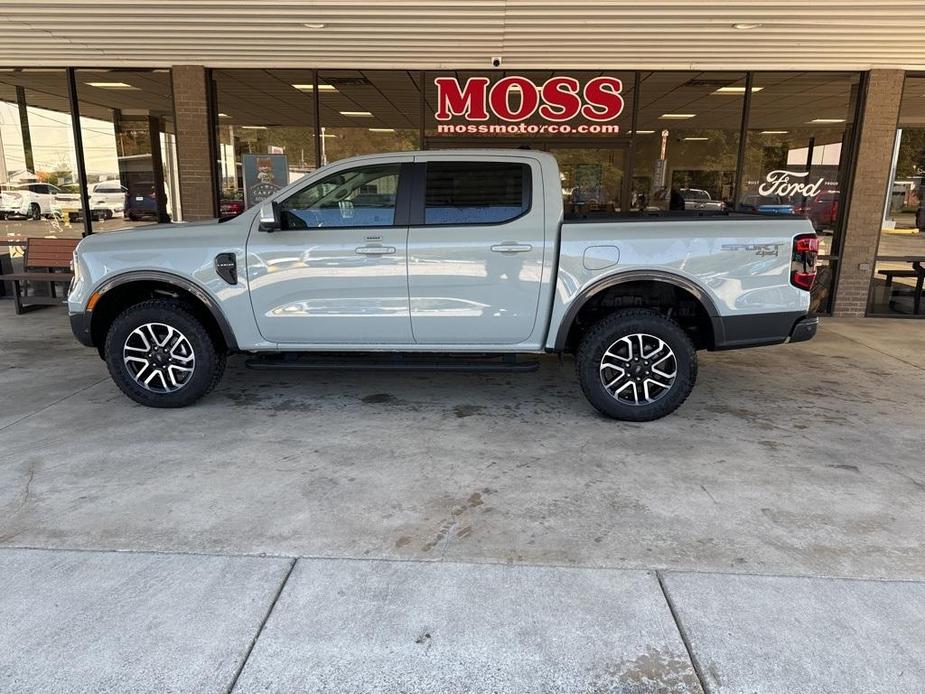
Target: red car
x=822, y=210
x=230, y=208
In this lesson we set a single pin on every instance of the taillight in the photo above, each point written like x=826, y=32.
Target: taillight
x=803, y=261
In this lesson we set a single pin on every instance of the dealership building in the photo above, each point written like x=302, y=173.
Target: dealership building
x=176, y=111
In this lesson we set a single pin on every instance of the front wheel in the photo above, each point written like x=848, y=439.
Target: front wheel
x=636, y=365
x=161, y=355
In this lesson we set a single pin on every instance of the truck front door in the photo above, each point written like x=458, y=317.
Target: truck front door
x=475, y=250
x=336, y=272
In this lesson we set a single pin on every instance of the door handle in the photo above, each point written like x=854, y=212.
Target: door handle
x=376, y=250
x=508, y=247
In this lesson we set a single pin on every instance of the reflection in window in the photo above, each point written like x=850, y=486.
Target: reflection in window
x=899, y=274
x=129, y=149
x=262, y=112
x=363, y=197
x=796, y=156
x=38, y=164
x=475, y=192
x=687, y=140
x=367, y=112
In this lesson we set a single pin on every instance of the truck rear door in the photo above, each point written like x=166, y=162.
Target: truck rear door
x=475, y=250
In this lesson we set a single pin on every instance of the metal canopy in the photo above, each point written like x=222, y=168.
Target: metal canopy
x=420, y=34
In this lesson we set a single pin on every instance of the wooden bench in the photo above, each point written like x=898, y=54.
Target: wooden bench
x=44, y=261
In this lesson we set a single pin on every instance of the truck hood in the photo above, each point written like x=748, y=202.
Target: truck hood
x=169, y=237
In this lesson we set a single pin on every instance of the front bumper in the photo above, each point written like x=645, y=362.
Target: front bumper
x=80, y=326
x=804, y=329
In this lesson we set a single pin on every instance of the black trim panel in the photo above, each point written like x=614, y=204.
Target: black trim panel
x=758, y=329
x=805, y=329
x=177, y=281
x=404, y=195
x=635, y=276
x=80, y=326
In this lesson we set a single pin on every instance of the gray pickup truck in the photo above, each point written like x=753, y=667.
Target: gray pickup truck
x=457, y=260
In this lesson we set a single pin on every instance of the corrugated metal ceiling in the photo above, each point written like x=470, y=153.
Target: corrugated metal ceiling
x=419, y=34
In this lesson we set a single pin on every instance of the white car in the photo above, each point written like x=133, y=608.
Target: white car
x=30, y=200
x=107, y=199
x=697, y=199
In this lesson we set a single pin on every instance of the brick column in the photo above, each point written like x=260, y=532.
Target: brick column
x=868, y=191
x=194, y=141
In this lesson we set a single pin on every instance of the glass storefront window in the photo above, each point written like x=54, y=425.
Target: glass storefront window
x=365, y=112
x=687, y=140
x=899, y=272
x=126, y=122
x=796, y=156
x=583, y=118
x=265, y=118
x=38, y=163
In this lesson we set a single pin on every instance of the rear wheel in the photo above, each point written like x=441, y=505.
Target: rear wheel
x=636, y=365
x=160, y=355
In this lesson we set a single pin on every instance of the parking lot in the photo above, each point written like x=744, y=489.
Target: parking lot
x=441, y=532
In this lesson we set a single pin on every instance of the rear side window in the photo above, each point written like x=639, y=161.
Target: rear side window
x=475, y=192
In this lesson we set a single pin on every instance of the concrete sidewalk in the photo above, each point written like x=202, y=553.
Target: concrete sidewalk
x=129, y=622
x=465, y=533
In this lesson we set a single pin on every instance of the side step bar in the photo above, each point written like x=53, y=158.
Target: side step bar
x=379, y=362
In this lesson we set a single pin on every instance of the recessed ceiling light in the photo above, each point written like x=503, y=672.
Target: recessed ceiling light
x=695, y=139
x=735, y=90
x=774, y=132
x=111, y=85
x=313, y=25
x=827, y=120
x=311, y=87
x=745, y=26
x=677, y=116
x=357, y=114
x=643, y=132
x=381, y=130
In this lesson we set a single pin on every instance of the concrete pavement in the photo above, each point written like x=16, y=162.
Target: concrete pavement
x=801, y=461
x=102, y=621
x=135, y=622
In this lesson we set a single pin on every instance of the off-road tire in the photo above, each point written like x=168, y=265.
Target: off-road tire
x=603, y=334
x=209, y=361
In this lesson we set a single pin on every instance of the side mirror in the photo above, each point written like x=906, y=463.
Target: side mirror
x=268, y=217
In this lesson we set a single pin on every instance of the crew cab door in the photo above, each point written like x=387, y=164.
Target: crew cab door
x=475, y=250
x=336, y=271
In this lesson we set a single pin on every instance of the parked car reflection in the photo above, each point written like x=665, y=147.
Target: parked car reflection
x=766, y=204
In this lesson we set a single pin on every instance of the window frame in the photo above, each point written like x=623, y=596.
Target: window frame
x=402, y=197
x=419, y=201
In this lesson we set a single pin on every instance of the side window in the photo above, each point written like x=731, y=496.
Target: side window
x=363, y=197
x=475, y=192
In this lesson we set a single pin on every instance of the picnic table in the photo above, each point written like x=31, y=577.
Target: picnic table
x=916, y=271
